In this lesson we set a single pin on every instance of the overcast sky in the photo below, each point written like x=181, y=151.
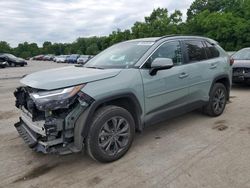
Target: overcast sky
x=66, y=20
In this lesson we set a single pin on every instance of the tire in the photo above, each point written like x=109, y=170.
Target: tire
x=104, y=143
x=22, y=65
x=12, y=64
x=217, y=101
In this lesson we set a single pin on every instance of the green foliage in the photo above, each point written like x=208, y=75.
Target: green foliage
x=159, y=23
x=226, y=21
x=221, y=6
x=5, y=47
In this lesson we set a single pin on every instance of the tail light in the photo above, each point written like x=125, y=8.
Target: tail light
x=231, y=61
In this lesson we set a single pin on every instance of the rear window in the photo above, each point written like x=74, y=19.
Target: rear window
x=195, y=50
x=243, y=54
x=211, y=51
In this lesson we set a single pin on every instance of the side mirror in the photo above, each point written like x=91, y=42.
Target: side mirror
x=160, y=64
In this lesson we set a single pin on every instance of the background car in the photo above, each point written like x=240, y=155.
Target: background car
x=83, y=59
x=3, y=63
x=61, y=58
x=38, y=57
x=72, y=58
x=13, y=60
x=241, y=66
x=48, y=57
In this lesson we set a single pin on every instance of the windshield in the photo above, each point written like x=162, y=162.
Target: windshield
x=122, y=55
x=11, y=56
x=243, y=54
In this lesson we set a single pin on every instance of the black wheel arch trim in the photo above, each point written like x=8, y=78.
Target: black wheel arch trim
x=217, y=78
x=97, y=103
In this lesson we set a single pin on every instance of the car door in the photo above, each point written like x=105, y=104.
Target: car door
x=201, y=69
x=167, y=89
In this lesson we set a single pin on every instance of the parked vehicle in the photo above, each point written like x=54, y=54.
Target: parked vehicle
x=49, y=57
x=241, y=66
x=72, y=58
x=83, y=59
x=3, y=63
x=38, y=57
x=13, y=60
x=61, y=58
x=131, y=85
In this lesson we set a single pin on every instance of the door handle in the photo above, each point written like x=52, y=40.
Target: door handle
x=213, y=66
x=183, y=75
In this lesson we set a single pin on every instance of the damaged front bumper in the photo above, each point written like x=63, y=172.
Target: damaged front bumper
x=50, y=131
x=31, y=138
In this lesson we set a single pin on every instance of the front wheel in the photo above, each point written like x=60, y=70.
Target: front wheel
x=111, y=134
x=217, y=101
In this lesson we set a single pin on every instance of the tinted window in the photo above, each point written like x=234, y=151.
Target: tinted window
x=211, y=51
x=196, y=51
x=170, y=50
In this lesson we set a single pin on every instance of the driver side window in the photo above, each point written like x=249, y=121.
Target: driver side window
x=170, y=50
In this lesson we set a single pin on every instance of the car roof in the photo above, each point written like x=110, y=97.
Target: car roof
x=247, y=48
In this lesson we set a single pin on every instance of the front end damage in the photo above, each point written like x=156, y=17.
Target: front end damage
x=48, y=118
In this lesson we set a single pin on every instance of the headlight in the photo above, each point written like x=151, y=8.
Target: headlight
x=55, y=99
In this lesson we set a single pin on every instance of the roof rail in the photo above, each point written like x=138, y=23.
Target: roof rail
x=167, y=36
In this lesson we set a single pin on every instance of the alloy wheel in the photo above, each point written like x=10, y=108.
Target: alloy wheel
x=114, y=135
x=219, y=101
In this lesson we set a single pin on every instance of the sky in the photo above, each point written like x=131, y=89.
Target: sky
x=66, y=20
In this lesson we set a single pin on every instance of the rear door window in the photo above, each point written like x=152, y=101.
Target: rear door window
x=195, y=50
x=211, y=51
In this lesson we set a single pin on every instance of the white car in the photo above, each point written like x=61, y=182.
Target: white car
x=83, y=59
x=61, y=58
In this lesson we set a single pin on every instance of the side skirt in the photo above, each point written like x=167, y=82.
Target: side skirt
x=165, y=114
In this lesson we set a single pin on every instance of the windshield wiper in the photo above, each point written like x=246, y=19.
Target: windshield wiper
x=81, y=65
x=95, y=68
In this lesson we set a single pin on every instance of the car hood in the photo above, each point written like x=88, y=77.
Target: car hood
x=66, y=77
x=241, y=63
x=18, y=60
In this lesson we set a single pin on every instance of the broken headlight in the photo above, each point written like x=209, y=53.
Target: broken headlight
x=55, y=99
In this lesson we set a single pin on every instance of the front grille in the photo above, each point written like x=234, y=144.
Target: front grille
x=241, y=70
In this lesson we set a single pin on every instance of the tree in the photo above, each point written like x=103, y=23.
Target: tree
x=226, y=21
x=159, y=23
x=4, y=47
x=92, y=49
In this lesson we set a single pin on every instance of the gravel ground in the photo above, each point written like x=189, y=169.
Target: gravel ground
x=190, y=151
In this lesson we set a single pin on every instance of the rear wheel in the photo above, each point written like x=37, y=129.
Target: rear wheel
x=217, y=101
x=111, y=134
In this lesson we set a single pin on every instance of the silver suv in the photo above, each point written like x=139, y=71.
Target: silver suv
x=99, y=106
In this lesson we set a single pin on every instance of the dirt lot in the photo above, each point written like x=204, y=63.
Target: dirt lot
x=190, y=151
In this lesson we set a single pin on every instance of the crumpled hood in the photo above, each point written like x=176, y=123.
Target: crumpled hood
x=241, y=63
x=66, y=77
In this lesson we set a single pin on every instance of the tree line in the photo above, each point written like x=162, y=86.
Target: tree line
x=226, y=21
